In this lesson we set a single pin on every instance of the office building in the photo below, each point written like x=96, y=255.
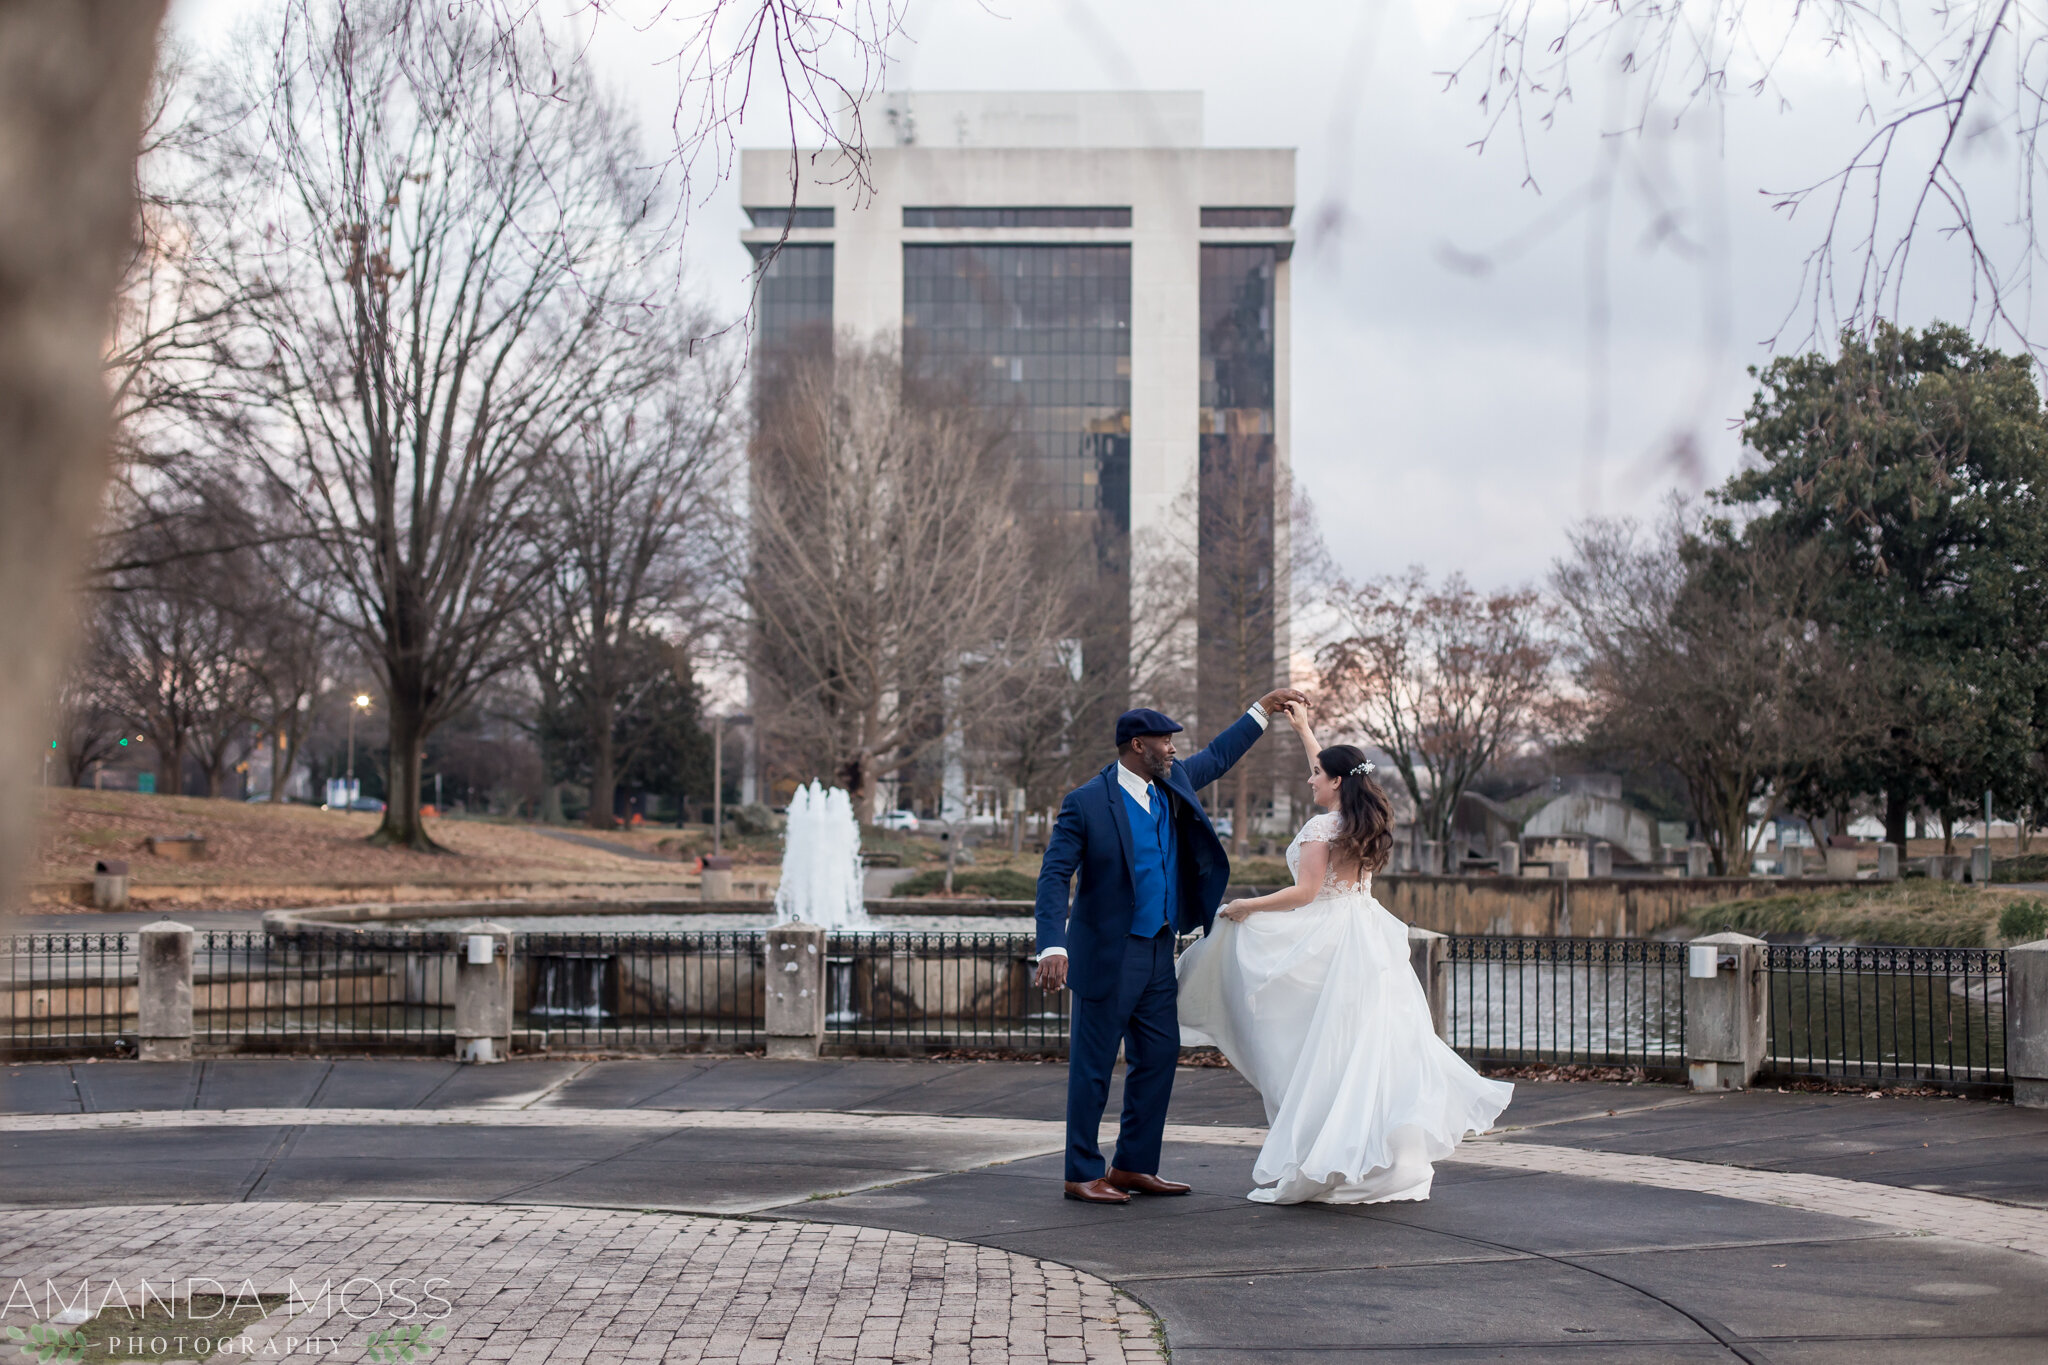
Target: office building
x=1121, y=286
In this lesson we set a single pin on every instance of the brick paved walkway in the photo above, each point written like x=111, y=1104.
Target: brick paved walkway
x=562, y=1286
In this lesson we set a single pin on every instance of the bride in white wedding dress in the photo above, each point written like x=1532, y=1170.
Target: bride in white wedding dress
x=1309, y=993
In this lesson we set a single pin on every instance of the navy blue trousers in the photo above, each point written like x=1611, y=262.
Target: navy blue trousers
x=1140, y=1013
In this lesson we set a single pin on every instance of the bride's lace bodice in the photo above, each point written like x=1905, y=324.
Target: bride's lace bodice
x=1321, y=830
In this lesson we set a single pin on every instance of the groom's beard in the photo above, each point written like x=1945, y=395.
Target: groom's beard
x=1162, y=767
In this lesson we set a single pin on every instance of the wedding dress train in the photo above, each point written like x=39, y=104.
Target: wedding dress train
x=1320, y=1010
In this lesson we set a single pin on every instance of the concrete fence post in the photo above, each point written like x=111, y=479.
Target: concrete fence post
x=715, y=883
x=483, y=992
x=1432, y=857
x=1887, y=862
x=110, y=884
x=1727, y=987
x=1601, y=863
x=1791, y=860
x=1429, y=955
x=2026, y=1023
x=1980, y=864
x=163, y=968
x=1699, y=860
x=1510, y=855
x=796, y=990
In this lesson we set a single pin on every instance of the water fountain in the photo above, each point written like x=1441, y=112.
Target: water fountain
x=821, y=873
x=822, y=883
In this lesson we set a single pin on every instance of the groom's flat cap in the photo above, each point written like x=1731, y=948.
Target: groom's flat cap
x=1143, y=721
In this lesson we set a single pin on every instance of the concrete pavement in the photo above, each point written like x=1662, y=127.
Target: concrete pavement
x=1604, y=1223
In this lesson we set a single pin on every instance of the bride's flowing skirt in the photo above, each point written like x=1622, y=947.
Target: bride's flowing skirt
x=1321, y=1011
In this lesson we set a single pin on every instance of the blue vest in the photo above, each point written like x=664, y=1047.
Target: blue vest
x=1152, y=863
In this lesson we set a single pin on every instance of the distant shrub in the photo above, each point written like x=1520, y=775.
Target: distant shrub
x=2023, y=921
x=996, y=884
x=754, y=818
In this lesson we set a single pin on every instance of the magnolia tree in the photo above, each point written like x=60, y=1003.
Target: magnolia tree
x=75, y=82
x=887, y=588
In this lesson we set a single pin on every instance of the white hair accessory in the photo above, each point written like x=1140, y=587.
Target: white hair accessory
x=1362, y=769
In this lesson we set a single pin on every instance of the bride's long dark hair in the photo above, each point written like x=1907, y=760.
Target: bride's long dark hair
x=1365, y=816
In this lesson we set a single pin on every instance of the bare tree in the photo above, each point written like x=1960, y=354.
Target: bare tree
x=888, y=592
x=90, y=726
x=1048, y=733
x=1705, y=652
x=291, y=646
x=1937, y=84
x=635, y=500
x=451, y=288
x=171, y=362
x=1239, y=611
x=1442, y=677
x=174, y=661
x=74, y=83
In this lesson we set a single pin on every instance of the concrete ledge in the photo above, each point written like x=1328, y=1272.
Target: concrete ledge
x=384, y=913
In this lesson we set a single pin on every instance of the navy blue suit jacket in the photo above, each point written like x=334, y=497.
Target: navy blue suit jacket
x=1093, y=837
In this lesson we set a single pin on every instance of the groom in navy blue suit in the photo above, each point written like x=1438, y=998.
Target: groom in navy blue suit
x=1151, y=867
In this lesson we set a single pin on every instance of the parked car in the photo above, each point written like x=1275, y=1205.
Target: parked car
x=1221, y=824
x=368, y=803
x=899, y=820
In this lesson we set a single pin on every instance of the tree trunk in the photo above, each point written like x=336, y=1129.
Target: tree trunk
x=170, y=767
x=74, y=75
x=403, y=827
x=1731, y=858
x=603, y=778
x=857, y=776
x=1896, y=811
x=284, y=744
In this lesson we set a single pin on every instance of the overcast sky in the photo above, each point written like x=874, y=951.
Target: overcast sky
x=1444, y=415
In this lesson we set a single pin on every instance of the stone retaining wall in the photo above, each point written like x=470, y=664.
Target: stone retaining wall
x=1588, y=907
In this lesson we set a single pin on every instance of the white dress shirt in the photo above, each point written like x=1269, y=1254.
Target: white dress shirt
x=1140, y=791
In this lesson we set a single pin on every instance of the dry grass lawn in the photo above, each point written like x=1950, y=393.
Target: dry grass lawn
x=1915, y=912
x=253, y=846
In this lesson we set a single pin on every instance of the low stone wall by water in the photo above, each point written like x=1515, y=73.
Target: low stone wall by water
x=1580, y=907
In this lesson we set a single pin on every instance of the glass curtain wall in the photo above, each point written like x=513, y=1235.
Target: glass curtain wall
x=795, y=307
x=793, y=321
x=1042, y=333
x=1236, y=625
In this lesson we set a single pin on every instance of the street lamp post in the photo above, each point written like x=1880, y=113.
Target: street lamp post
x=361, y=702
x=718, y=778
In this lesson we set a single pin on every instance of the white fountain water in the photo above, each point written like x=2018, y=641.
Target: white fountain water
x=821, y=875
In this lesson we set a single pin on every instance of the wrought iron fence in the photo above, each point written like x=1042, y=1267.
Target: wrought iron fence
x=69, y=992
x=1598, y=1002
x=924, y=991
x=1887, y=1014
x=393, y=988
x=691, y=991
x=1933, y=1015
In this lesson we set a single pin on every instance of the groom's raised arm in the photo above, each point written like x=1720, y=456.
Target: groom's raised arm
x=1236, y=740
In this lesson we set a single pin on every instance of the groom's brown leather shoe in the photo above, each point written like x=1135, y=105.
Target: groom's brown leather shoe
x=1097, y=1191
x=1134, y=1183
